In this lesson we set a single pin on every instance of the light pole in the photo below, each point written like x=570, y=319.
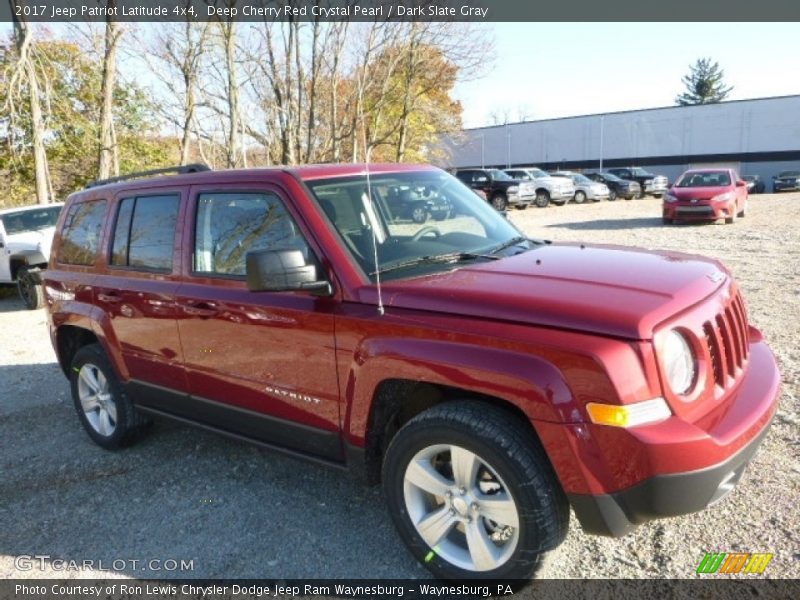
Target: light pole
x=483, y=151
x=602, y=127
x=508, y=146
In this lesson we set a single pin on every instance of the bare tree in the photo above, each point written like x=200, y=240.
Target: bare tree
x=25, y=73
x=108, y=161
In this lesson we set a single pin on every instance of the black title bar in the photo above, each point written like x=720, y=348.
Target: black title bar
x=53, y=11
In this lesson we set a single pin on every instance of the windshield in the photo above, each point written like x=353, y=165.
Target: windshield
x=580, y=178
x=704, y=179
x=30, y=220
x=537, y=173
x=640, y=172
x=419, y=222
x=790, y=174
x=499, y=175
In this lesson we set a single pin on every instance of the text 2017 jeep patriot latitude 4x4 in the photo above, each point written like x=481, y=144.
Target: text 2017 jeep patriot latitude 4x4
x=488, y=380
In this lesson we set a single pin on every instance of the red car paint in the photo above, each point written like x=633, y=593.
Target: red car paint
x=706, y=203
x=546, y=332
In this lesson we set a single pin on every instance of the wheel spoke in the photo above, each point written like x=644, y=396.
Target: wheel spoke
x=422, y=474
x=89, y=377
x=500, y=509
x=111, y=407
x=465, y=466
x=89, y=403
x=481, y=549
x=104, y=426
x=436, y=525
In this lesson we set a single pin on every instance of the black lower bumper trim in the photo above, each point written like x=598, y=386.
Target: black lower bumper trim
x=661, y=496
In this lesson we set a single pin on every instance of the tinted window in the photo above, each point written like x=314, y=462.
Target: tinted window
x=145, y=232
x=81, y=232
x=229, y=225
x=122, y=231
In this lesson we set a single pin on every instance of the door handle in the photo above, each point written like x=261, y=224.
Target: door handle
x=109, y=297
x=200, y=309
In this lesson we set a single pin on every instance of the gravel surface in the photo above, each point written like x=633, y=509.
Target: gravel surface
x=239, y=511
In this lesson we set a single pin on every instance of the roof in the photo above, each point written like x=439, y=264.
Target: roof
x=304, y=172
x=15, y=209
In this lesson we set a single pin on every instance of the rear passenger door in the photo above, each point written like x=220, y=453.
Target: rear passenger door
x=259, y=364
x=136, y=289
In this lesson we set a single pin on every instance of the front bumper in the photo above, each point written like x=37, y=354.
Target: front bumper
x=785, y=187
x=674, y=467
x=701, y=211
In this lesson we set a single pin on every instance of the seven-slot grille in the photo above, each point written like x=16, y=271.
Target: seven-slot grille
x=727, y=340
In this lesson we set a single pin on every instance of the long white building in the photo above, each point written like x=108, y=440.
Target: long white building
x=756, y=137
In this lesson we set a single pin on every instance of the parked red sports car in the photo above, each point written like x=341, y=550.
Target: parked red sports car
x=706, y=195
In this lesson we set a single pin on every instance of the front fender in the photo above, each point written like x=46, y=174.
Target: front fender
x=529, y=382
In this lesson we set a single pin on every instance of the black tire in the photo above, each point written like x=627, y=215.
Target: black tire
x=667, y=221
x=505, y=447
x=29, y=290
x=499, y=202
x=641, y=194
x=129, y=423
x=542, y=198
x=419, y=214
x=732, y=219
x=580, y=197
x=441, y=215
x=612, y=195
x=743, y=212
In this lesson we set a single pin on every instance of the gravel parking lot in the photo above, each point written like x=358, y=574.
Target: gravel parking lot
x=239, y=511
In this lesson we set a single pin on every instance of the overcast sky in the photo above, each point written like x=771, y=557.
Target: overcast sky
x=566, y=69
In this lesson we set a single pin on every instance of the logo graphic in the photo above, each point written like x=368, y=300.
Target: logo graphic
x=735, y=562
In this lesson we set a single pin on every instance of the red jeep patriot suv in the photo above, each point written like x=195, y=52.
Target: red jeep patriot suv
x=490, y=381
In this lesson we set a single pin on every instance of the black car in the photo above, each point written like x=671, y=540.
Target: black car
x=501, y=190
x=417, y=204
x=618, y=188
x=755, y=185
x=786, y=181
x=655, y=185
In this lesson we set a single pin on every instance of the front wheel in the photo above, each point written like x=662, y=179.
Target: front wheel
x=30, y=290
x=472, y=493
x=612, y=195
x=580, y=197
x=542, y=198
x=419, y=214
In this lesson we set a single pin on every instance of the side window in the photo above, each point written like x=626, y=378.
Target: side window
x=145, y=232
x=81, y=233
x=229, y=225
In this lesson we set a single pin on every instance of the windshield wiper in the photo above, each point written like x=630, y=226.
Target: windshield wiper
x=512, y=242
x=451, y=258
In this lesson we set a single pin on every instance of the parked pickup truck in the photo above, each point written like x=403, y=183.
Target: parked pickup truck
x=488, y=380
x=548, y=188
x=652, y=184
x=500, y=189
x=25, y=237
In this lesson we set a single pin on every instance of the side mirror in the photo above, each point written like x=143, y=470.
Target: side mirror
x=283, y=270
x=740, y=183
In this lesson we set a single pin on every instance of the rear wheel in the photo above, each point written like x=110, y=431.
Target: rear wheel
x=612, y=195
x=104, y=409
x=472, y=494
x=580, y=197
x=30, y=290
x=499, y=202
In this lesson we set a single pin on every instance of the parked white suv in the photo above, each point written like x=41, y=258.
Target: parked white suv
x=557, y=190
x=26, y=234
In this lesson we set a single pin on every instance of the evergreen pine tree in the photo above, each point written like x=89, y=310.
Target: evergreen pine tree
x=704, y=84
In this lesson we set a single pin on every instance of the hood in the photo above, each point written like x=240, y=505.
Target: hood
x=28, y=241
x=609, y=290
x=701, y=193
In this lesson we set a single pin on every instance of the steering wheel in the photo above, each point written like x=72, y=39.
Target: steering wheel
x=425, y=231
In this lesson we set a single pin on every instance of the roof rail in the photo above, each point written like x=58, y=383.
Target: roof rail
x=179, y=170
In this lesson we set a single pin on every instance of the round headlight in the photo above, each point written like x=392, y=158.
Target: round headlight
x=679, y=362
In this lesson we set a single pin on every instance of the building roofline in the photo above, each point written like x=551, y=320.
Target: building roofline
x=633, y=110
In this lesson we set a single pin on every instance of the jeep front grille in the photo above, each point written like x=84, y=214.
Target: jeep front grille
x=727, y=341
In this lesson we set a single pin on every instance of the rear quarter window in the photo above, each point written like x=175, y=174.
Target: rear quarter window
x=144, y=234
x=80, y=235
